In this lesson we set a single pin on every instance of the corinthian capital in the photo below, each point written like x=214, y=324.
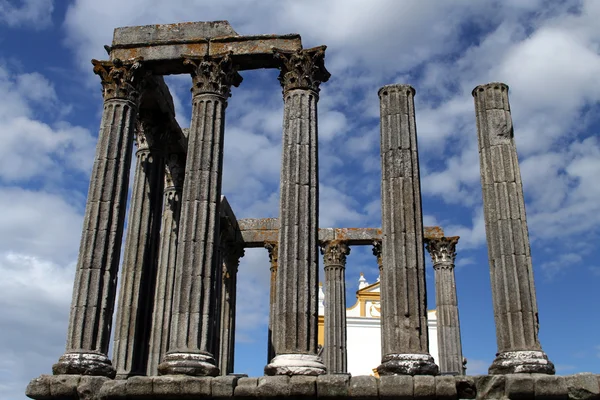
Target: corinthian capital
x=335, y=252
x=233, y=252
x=302, y=69
x=174, y=171
x=377, y=253
x=442, y=251
x=273, y=250
x=120, y=79
x=212, y=74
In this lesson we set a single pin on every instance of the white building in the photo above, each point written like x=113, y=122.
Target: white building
x=364, y=332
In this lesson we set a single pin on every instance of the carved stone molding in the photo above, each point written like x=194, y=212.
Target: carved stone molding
x=377, y=253
x=120, y=79
x=442, y=251
x=273, y=250
x=302, y=69
x=233, y=251
x=212, y=74
x=335, y=252
x=174, y=171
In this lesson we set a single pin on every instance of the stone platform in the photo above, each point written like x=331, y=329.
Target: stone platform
x=516, y=386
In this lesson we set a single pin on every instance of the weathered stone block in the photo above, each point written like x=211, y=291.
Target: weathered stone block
x=64, y=386
x=363, y=387
x=519, y=386
x=274, y=386
x=139, y=386
x=223, y=386
x=333, y=385
x=168, y=385
x=113, y=390
x=398, y=387
x=303, y=387
x=550, y=387
x=490, y=386
x=424, y=387
x=445, y=388
x=246, y=388
x=90, y=386
x=465, y=387
x=39, y=388
x=583, y=386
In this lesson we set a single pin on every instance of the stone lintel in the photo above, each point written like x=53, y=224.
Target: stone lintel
x=341, y=386
x=161, y=46
x=256, y=231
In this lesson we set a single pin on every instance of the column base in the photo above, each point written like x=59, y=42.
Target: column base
x=296, y=364
x=193, y=364
x=408, y=364
x=522, y=362
x=81, y=363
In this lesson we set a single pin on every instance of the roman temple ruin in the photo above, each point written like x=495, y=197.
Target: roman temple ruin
x=175, y=312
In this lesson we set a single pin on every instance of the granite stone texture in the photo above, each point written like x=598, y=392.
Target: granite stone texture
x=95, y=285
x=295, y=318
x=133, y=324
x=403, y=293
x=511, y=272
x=165, y=273
x=335, y=347
x=443, y=254
x=194, y=305
x=329, y=386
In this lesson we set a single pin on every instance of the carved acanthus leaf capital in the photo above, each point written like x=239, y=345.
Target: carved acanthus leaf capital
x=442, y=251
x=273, y=249
x=233, y=251
x=302, y=69
x=335, y=252
x=174, y=171
x=212, y=74
x=377, y=252
x=120, y=79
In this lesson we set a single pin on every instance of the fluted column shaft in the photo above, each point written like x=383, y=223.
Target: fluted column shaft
x=296, y=314
x=193, y=312
x=98, y=263
x=165, y=274
x=138, y=274
x=273, y=250
x=511, y=272
x=231, y=260
x=336, y=350
x=404, y=337
x=443, y=253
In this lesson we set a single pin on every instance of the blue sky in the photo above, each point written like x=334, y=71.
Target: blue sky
x=548, y=52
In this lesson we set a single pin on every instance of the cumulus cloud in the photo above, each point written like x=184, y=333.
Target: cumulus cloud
x=33, y=14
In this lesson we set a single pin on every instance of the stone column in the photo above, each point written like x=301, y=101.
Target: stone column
x=296, y=318
x=513, y=291
x=165, y=274
x=194, y=311
x=336, y=351
x=231, y=261
x=138, y=274
x=96, y=276
x=404, y=337
x=273, y=250
x=443, y=253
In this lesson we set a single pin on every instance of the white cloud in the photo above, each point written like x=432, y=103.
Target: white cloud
x=34, y=14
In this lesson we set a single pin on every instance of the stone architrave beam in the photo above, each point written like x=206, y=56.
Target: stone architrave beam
x=256, y=231
x=162, y=46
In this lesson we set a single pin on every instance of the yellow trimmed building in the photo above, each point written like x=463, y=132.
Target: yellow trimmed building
x=363, y=329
